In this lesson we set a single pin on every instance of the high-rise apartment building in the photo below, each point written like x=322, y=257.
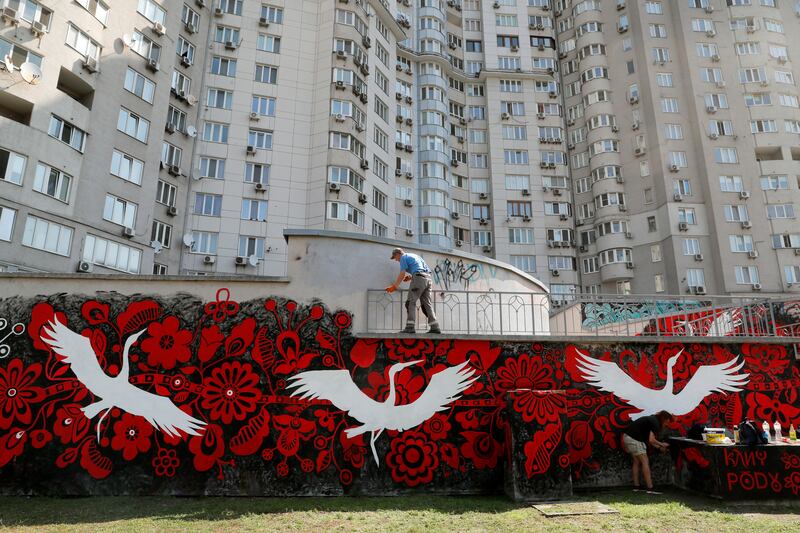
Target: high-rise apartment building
x=603, y=146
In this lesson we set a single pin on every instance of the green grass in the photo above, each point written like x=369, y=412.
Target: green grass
x=674, y=512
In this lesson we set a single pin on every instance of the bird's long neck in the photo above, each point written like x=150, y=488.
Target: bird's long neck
x=668, y=384
x=392, y=393
x=123, y=374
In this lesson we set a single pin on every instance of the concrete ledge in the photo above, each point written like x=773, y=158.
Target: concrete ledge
x=140, y=277
x=582, y=338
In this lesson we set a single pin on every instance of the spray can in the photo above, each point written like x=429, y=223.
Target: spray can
x=765, y=430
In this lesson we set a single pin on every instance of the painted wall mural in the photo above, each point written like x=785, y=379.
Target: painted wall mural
x=123, y=394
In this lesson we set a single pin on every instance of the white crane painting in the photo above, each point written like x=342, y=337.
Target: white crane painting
x=76, y=350
x=609, y=377
x=338, y=387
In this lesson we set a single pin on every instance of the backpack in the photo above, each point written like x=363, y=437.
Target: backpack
x=750, y=435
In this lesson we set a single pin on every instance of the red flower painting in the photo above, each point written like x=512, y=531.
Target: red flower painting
x=412, y=459
x=167, y=344
x=524, y=372
x=17, y=392
x=231, y=392
x=131, y=435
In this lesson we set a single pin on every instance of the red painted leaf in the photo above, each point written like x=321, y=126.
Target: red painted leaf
x=323, y=460
x=241, y=337
x=181, y=397
x=326, y=340
x=263, y=350
x=95, y=312
x=67, y=457
x=98, y=465
x=363, y=352
x=210, y=340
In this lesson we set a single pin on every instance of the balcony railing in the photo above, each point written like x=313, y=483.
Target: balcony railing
x=521, y=313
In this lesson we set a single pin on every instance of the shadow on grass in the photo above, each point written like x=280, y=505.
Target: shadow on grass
x=40, y=511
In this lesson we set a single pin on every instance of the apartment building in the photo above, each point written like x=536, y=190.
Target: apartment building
x=501, y=128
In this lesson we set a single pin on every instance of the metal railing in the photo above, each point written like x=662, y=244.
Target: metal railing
x=523, y=313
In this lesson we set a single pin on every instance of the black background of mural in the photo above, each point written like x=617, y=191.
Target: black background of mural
x=595, y=464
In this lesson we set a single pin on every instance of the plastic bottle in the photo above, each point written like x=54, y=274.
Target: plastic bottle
x=765, y=429
x=777, y=427
x=792, y=433
x=735, y=434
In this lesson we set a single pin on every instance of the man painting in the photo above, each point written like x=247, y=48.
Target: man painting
x=637, y=436
x=413, y=268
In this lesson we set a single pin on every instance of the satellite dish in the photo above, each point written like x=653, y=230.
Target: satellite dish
x=191, y=99
x=31, y=73
x=191, y=131
x=188, y=239
x=157, y=246
x=9, y=63
x=127, y=40
x=253, y=260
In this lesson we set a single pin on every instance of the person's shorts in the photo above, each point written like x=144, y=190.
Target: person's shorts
x=633, y=446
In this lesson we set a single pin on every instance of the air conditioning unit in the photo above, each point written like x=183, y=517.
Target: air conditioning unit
x=505, y=116
x=407, y=202
x=364, y=164
x=629, y=264
x=37, y=28
x=715, y=57
x=526, y=192
x=461, y=140
x=462, y=121
x=515, y=48
x=360, y=127
x=622, y=208
x=556, y=192
x=633, y=99
x=10, y=15
x=218, y=11
x=698, y=257
x=334, y=187
x=362, y=198
x=563, y=217
x=698, y=289
x=84, y=267
x=240, y=260
x=230, y=45
x=639, y=151
x=683, y=226
x=200, y=3
x=152, y=64
x=797, y=251
x=90, y=64
x=455, y=215
x=673, y=168
x=551, y=70
x=635, y=125
x=172, y=211
x=174, y=170
x=622, y=28
x=620, y=179
x=526, y=218
x=191, y=28
x=747, y=224
x=711, y=33
x=170, y=127
x=483, y=222
x=483, y=196
x=553, y=94
x=756, y=286
x=583, y=249
x=677, y=197
x=410, y=232
x=459, y=242
x=263, y=22
x=713, y=135
x=408, y=148
x=752, y=254
x=709, y=8
x=251, y=149
x=615, y=128
x=750, y=29
x=159, y=28
x=782, y=59
x=555, y=273
x=209, y=259
x=744, y=195
x=260, y=187
x=720, y=84
x=185, y=61
x=454, y=163
x=711, y=108
x=487, y=249
x=409, y=175
x=628, y=235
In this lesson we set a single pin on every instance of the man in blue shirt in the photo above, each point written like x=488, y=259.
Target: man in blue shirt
x=413, y=268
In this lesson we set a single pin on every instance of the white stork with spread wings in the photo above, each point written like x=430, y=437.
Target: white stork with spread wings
x=337, y=387
x=77, y=352
x=609, y=377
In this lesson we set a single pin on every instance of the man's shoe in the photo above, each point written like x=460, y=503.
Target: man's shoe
x=435, y=331
x=409, y=330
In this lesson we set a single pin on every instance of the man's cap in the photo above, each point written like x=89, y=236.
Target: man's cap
x=396, y=251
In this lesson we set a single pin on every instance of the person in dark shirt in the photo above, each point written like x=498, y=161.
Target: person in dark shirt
x=637, y=436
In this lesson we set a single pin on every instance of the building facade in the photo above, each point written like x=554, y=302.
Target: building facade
x=185, y=137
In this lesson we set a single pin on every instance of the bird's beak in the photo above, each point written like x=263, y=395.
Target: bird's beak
x=136, y=336
x=412, y=363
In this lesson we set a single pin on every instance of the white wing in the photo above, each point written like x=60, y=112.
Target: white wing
x=723, y=377
x=164, y=415
x=609, y=377
x=76, y=351
x=443, y=389
x=337, y=387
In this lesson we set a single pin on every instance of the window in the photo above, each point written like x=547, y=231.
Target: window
x=274, y=15
x=260, y=139
x=380, y=200
x=225, y=34
x=98, y=9
x=741, y=243
x=655, y=253
x=165, y=193
x=12, y=166
x=682, y=187
x=223, y=66
x=254, y=210
x=687, y=215
x=152, y=11
x=251, y=246
x=207, y=204
x=774, y=183
x=160, y=270
x=181, y=84
x=345, y=211
x=48, y=236
x=82, y=43
x=792, y=274
x=526, y=263
x=215, y=132
x=690, y=246
x=139, y=85
x=726, y=155
x=731, y=184
x=257, y=173
x=7, y=216
x=673, y=131
x=204, y=242
x=266, y=74
x=669, y=105
x=111, y=255
x=67, y=133
x=52, y=182
x=132, y=124
x=212, y=167
x=517, y=182
x=518, y=209
x=664, y=79
x=520, y=235
x=780, y=211
x=219, y=99
x=746, y=275
x=162, y=233
x=735, y=213
x=144, y=46
x=119, y=211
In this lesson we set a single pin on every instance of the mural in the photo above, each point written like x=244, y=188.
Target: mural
x=457, y=275
x=170, y=395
